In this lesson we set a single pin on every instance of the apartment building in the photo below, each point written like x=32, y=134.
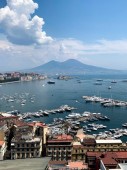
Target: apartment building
x=59, y=147
x=29, y=140
x=27, y=147
x=80, y=148
x=110, y=145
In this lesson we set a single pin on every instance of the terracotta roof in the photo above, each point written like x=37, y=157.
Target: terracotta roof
x=107, y=158
x=78, y=164
x=40, y=124
x=52, y=141
x=8, y=117
x=102, y=154
x=108, y=161
x=121, y=155
x=94, y=154
x=57, y=162
x=20, y=123
x=64, y=136
x=1, y=143
x=61, y=138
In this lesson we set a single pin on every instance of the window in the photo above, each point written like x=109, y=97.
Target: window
x=32, y=145
x=27, y=155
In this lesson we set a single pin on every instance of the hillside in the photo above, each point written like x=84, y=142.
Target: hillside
x=72, y=67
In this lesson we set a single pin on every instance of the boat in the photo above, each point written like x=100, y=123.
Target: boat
x=97, y=83
x=113, y=81
x=109, y=87
x=51, y=82
x=74, y=115
x=124, y=125
x=45, y=113
x=99, y=79
x=10, y=100
x=36, y=115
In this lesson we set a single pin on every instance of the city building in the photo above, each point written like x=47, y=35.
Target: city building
x=59, y=147
x=110, y=145
x=105, y=160
x=29, y=140
x=80, y=148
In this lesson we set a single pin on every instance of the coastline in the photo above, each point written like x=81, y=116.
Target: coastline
x=20, y=81
x=10, y=82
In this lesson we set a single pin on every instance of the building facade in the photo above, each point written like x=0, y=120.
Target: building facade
x=59, y=147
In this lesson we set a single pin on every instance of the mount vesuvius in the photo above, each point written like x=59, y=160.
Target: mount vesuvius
x=71, y=67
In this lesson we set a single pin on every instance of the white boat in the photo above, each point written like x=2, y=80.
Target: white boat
x=74, y=115
x=120, y=104
x=109, y=87
x=109, y=104
x=36, y=115
x=45, y=113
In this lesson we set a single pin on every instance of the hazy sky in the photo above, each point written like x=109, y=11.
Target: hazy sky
x=33, y=32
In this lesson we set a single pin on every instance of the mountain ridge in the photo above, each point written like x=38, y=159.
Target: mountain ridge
x=71, y=66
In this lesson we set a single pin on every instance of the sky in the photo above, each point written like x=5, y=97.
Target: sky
x=33, y=32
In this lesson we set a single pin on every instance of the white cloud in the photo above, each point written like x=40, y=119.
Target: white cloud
x=20, y=57
x=18, y=25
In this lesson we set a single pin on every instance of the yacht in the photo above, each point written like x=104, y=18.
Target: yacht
x=51, y=82
x=97, y=83
x=74, y=115
x=99, y=79
x=45, y=113
x=113, y=81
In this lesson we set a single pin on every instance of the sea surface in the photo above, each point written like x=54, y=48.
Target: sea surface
x=38, y=95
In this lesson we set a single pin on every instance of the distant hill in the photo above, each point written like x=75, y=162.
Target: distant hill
x=71, y=67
